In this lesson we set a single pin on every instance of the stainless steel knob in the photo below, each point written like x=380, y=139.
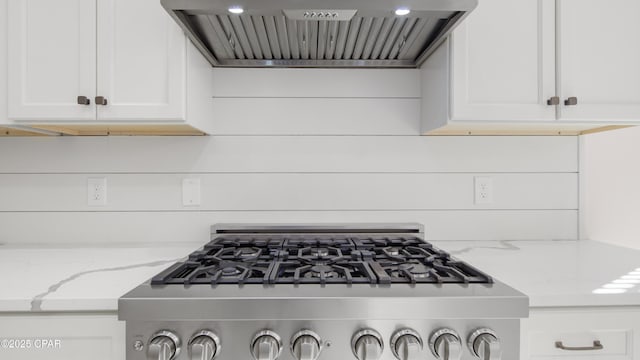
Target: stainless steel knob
x=406, y=344
x=445, y=344
x=306, y=345
x=484, y=344
x=164, y=345
x=266, y=345
x=204, y=345
x=367, y=344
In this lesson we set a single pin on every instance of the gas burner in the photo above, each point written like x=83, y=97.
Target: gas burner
x=347, y=272
x=231, y=271
x=416, y=270
x=318, y=271
x=248, y=252
x=214, y=271
x=217, y=272
x=320, y=253
x=392, y=251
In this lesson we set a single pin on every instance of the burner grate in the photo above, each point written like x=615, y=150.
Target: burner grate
x=319, y=260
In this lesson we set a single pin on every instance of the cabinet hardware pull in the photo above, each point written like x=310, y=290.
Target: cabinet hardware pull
x=83, y=100
x=554, y=100
x=597, y=345
x=571, y=101
x=101, y=100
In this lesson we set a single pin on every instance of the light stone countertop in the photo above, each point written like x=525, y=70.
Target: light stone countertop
x=92, y=278
x=558, y=273
x=68, y=278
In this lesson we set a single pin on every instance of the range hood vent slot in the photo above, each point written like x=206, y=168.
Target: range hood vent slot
x=339, y=38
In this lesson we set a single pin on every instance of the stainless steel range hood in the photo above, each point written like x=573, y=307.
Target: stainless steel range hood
x=317, y=33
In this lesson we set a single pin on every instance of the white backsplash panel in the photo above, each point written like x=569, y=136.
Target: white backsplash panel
x=43, y=185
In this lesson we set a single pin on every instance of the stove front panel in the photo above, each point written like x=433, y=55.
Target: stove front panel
x=336, y=335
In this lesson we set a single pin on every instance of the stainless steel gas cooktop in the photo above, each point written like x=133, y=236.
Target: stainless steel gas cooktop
x=360, y=291
x=318, y=259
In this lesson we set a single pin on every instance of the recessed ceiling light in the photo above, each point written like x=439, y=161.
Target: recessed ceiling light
x=236, y=10
x=402, y=11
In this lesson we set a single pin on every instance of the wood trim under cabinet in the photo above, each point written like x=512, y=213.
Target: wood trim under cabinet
x=8, y=131
x=520, y=129
x=123, y=130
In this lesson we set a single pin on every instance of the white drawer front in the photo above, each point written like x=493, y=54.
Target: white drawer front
x=613, y=343
x=617, y=329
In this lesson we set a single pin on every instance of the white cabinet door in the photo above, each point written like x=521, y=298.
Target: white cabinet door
x=62, y=337
x=52, y=59
x=141, y=62
x=3, y=62
x=599, y=44
x=503, y=62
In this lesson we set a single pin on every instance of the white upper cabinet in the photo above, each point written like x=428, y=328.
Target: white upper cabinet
x=503, y=62
x=52, y=59
x=536, y=67
x=141, y=62
x=599, y=59
x=127, y=58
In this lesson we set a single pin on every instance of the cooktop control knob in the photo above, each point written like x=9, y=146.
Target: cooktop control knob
x=484, y=344
x=204, y=345
x=306, y=345
x=445, y=344
x=406, y=344
x=164, y=345
x=266, y=345
x=367, y=344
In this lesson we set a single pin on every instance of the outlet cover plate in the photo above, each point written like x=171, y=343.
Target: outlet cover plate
x=191, y=192
x=97, y=191
x=483, y=186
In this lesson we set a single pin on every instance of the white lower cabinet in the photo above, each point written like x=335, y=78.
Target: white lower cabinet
x=3, y=62
x=61, y=337
x=576, y=334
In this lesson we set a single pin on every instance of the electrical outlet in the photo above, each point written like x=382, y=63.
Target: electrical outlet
x=97, y=191
x=483, y=190
x=191, y=192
